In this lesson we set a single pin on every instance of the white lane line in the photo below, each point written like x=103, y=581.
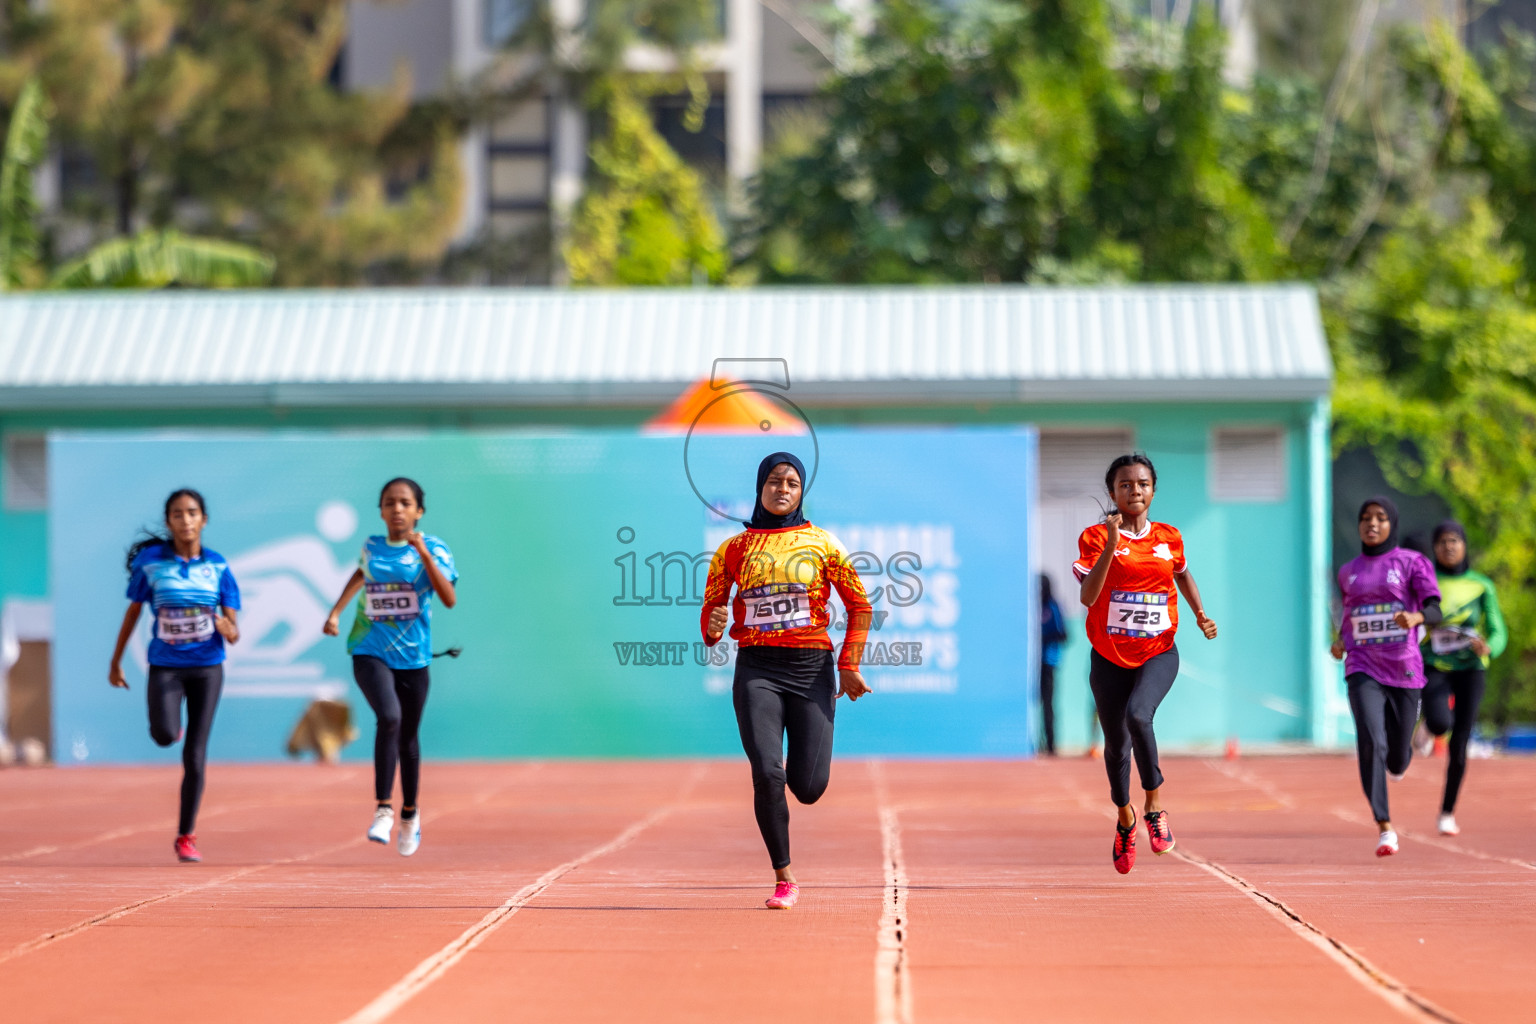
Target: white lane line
x=1393, y=992
x=1275, y=794
x=893, y=973
x=137, y=905
x=129, y=908
x=1428, y=840
x=439, y=963
x=165, y=825
x=1247, y=778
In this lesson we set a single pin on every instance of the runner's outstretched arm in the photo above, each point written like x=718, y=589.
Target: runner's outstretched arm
x=1187, y=587
x=130, y=619
x=348, y=592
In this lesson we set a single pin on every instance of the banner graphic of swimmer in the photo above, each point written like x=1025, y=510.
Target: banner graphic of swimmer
x=582, y=559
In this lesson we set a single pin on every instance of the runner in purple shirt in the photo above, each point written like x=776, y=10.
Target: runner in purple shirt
x=1389, y=594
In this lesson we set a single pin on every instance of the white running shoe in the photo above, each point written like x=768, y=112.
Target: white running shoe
x=410, y=835
x=1448, y=826
x=1396, y=776
x=1386, y=843
x=383, y=821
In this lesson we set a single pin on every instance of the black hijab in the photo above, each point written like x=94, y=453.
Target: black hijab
x=1452, y=526
x=762, y=519
x=1390, y=509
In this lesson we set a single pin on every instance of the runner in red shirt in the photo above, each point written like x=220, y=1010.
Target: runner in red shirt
x=1128, y=567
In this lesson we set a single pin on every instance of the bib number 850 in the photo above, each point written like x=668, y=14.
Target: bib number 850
x=391, y=602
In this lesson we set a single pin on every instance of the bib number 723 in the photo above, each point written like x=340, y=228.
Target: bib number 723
x=1132, y=613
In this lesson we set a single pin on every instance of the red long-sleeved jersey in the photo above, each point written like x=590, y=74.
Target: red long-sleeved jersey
x=783, y=579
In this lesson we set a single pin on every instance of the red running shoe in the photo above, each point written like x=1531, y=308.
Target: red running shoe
x=785, y=895
x=186, y=850
x=1158, y=832
x=1125, y=847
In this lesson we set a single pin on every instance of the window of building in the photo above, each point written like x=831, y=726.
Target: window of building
x=519, y=178
x=703, y=150
x=518, y=164
x=26, y=472
x=1247, y=464
x=503, y=20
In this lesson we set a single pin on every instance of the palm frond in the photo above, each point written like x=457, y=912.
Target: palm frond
x=26, y=143
x=155, y=259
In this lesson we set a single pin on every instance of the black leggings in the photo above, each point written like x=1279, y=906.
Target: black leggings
x=1048, y=705
x=200, y=687
x=1127, y=699
x=1466, y=685
x=1384, y=718
x=779, y=692
x=398, y=696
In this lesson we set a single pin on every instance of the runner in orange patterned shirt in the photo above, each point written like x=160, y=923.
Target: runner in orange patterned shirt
x=784, y=569
x=1129, y=567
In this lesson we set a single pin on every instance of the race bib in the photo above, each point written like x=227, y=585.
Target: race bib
x=1136, y=614
x=1374, y=624
x=391, y=602
x=777, y=606
x=185, y=625
x=1449, y=641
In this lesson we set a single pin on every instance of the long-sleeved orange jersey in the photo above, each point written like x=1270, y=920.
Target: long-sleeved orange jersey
x=783, y=579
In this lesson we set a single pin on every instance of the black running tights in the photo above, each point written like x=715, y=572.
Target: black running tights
x=1467, y=687
x=398, y=696
x=766, y=711
x=1127, y=699
x=200, y=687
x=1384, y=718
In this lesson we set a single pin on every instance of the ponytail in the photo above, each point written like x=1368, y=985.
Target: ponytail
x=147, y=539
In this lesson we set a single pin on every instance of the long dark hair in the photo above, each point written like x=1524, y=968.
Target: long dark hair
x=150, y=538
x=421, y=499
x=1133, y=459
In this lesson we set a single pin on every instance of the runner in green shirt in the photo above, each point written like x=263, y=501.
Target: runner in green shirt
x=1456, y=656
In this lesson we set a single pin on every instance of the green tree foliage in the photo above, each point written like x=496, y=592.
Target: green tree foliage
x=645, y=220
x=25, y=144
x=150, y=259
x=1051, y=140
x=1435, y=340
x=646, y=217
x=220, y=118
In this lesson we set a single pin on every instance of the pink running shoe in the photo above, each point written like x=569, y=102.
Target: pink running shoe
x=1158, y=832
x=784, y=896
x=186, y=850
x=1125, y=847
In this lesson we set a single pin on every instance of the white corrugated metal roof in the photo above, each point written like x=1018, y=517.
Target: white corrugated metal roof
x=1009, y=343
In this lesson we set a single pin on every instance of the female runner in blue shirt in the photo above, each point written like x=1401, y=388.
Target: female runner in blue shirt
x=195, y=600
x=391, y=646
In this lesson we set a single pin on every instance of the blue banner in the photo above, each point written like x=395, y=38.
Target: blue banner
x=583, y=557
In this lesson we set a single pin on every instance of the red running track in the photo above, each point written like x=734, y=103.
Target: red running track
x=932, y=891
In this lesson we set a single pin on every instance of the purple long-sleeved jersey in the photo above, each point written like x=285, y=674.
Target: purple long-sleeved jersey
x=1375, y=588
